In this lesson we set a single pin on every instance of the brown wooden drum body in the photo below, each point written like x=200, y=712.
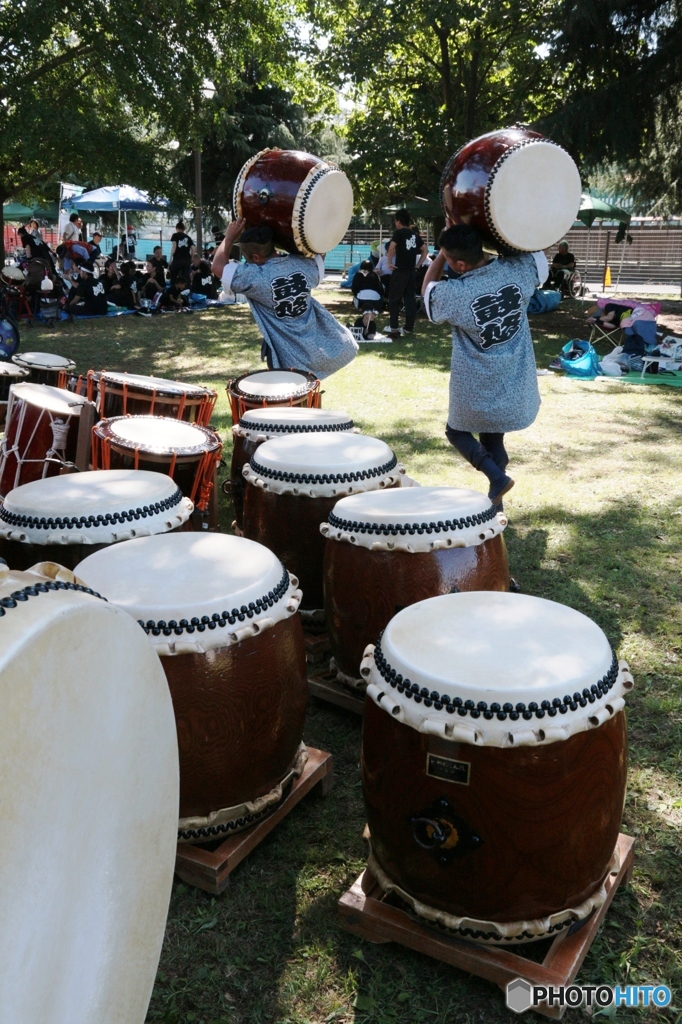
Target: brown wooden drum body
x=263, y=389
x=10, y=374
x=122, y=394
x=44, y=367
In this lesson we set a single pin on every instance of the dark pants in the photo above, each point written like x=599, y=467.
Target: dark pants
x=487, y=454
x=177, y=270
x=403, y=288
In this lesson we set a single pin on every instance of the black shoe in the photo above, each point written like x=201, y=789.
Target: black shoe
x=498, y=491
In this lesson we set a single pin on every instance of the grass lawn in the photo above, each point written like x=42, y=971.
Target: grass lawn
x=596, y=523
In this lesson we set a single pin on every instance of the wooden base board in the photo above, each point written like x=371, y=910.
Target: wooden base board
x=325, y=686
x=317, y=648
x=210, y=869
x=366, y=911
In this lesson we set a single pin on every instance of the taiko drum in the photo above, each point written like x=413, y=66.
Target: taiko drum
x=262, y=389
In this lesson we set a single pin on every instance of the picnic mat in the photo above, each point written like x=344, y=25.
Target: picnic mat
x=635, y=378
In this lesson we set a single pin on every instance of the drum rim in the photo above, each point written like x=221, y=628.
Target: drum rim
x=171, y=388
x=105, y=519
x=74, y=401
x=323, y=478
x=19, y=358
x=343, y=424
x=10, y=369
x=404, y=525
x=315, y=175
x=106, y=432
x=312, y=383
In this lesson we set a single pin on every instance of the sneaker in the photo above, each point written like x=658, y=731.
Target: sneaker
x=404, y=330
x=497, y=491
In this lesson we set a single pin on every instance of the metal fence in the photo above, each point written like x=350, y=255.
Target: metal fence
x=654, y=257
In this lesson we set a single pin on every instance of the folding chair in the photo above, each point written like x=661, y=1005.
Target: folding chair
x=632, y=312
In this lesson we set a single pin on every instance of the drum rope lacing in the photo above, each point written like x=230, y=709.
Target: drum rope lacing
x=296, y=428
x=210, y=831
x=395, y=528
x=14, y=519
x=42, y=588
x=323, y=478
x=218, y=618
x=495, y=710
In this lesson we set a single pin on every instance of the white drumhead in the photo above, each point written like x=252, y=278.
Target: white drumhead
x=43, y=361
x=89, y=796
x=157, y=432
x=150, y=383
x=294, y=419
x=327, y=211
x=128, y=503
x=182, y=576
x=12, y=370
x=273, y=384
x=415, y=518
x=11, y=273
x=504, y=650
x=55, y=400
x=534, y=195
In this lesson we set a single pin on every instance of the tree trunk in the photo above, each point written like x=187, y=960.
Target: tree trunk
x=471, y=98
x=2, y=231
x=446, y=69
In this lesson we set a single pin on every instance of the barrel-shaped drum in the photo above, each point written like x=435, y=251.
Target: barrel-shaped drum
x=132, y=394
x=259, y=425
x=10, y=374
x=44, y=367
x=494, y=763
x=184, y=451
x=65, y=518
x=305, y=201
x=293, y=483
x=41, y=435
x=389, y=549
x=262, y=389
x=221, y=613
x=519, y=189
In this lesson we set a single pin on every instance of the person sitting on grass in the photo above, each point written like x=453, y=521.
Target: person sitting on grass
x=87, y=296
x=368, y=324
x=124, y=292
x=366, y=288
x=175, y=297
x=202, y=282
x=149, y=286
x=160, y=264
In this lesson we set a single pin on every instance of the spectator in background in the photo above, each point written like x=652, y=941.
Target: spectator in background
x=29, y=243
x=87, y=296
x=129, y=243
x=96, y=251
x=182, y=250
x=406, y=252
x=72, y=231
x=124, y=292
x=367, y=289
x=383, y=271
x=149, y=285
x=110, y=277
x=160, y=264
x=563, y=262
x=35, y=231
x=174, y=297
x=202, y=282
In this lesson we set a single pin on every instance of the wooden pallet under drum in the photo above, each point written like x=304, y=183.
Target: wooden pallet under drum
x=325, y=686
x=210, y=869
x=367, y=911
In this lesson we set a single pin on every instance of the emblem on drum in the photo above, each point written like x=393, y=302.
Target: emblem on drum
x=447, y=769
x=498, y=315
x=440, y=830
x=290, y=296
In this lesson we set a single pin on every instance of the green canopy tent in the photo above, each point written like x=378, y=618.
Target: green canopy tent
x=591, y=209
x=17, y=212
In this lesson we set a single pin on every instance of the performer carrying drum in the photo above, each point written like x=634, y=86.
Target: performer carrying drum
x=297, y=330
x=493, y=383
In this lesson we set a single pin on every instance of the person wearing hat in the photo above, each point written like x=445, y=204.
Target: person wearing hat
x=87, y=296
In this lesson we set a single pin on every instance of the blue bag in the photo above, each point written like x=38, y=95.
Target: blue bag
x=585, y=365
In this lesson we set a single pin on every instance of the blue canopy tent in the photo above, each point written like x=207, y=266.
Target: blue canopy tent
x=121, y=198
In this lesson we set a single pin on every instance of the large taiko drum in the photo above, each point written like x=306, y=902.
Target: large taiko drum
x=307, y=202
x=262, y=389
x=259, y=425
x=220, y=612
x=519, y=189
x=44, y=367
x=186, y=452
x=41, y=435
x=293, y=483
x=65, y=518
x=89, y=791
x=131, y=394
x=494, y=763
x=389, y=549
x=10, y=374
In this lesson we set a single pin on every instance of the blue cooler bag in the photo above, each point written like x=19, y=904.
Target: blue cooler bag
x=585, y=365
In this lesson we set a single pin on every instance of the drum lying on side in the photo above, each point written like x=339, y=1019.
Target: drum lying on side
x=10, y=374
x=264, y=388
x=494, y=763
x=305, y=201
x=186, y=452
x=294, y=482
x=389, y=549
x=220, y=611
x=519, y=189
x=64, y=518
x=43, y=367
x=132, y=394
x=258, y=425
x=89, y=791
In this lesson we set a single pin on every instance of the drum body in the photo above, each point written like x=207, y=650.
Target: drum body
x=262, y=389
x=494, y=817
x=65, y=518
x=41, y=435
x=10, y=374
x=130, y=394
x=519, y=189
x=389, y=549
x=260, y=425
x=306, y=202
x=44, y=367
x=293, y=483
x=90, y=774
x=186, y=452
x=237, y=678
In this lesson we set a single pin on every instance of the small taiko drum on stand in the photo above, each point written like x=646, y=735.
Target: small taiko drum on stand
x=89, y=791
x=494, y=763
x=130, y=394
x=259, y=425
x=261, y=389
x=44, y=367
x=307, y=202
x=220, y=611
x=65, y=518
x=519, y=189
x=10, y=374
x=294, y=482
x=41, y=435
x=389, y=549
x=186, y=452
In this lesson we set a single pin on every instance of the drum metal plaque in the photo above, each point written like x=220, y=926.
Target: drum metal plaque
x=447, y=769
